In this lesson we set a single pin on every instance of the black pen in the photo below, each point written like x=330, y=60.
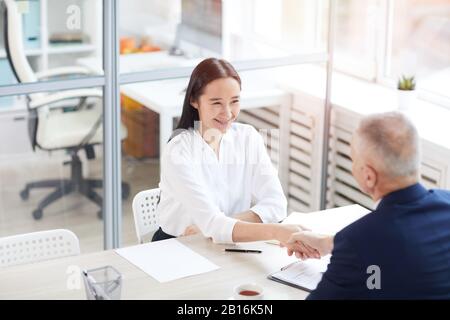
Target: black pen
x=243, y=250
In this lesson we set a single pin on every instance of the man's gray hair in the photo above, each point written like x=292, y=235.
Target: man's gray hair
x=394, y=142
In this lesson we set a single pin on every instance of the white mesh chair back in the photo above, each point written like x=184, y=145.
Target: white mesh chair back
x=38, y=246
x=144, y=210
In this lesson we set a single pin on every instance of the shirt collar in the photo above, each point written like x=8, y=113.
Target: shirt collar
x=377, y=203
x=227, y=136
x=405, y=195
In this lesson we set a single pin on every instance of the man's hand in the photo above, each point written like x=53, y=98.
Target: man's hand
x=303, y=251
x=322, y=243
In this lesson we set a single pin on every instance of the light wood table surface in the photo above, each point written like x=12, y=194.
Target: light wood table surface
x=60, y=279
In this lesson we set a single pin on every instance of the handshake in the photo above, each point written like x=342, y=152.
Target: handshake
x=306, y=244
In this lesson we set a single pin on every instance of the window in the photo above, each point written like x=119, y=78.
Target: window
x=355, y=37
x=379, y=40
x=274, y=28
x=421, y=43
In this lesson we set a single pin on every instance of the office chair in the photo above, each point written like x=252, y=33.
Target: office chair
x=66, y=120
x=144, y=212
x=38, y=246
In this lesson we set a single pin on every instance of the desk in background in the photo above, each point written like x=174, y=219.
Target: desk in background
x=166, y=96
x=52, y=279
x=138, y=62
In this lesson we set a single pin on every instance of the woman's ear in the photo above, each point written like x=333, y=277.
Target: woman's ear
x=194, y=104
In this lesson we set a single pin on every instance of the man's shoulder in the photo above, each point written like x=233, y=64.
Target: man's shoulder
x=441, y=194
x=368, y=227
x=367, y=221
x=384, y=220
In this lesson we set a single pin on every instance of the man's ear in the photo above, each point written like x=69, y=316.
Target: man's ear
x=370, y=176
x=194, y=104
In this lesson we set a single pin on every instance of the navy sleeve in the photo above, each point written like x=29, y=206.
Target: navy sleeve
x=345, y=277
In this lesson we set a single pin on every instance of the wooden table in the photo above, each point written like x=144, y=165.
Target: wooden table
x=61, y=279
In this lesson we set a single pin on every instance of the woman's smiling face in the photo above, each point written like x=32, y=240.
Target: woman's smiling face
x=219, y=105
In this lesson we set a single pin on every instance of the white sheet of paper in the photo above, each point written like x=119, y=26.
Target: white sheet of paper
x=167, y=260
x=328, y=221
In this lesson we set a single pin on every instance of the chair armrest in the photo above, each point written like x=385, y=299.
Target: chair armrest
x=64, y=95
x=64, y=71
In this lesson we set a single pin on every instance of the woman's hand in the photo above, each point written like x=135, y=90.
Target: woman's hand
x=322, y=243
x=191, y=230
x=302, y=250
x=283, y=232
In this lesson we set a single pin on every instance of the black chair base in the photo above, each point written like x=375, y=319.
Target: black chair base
x=63, y=187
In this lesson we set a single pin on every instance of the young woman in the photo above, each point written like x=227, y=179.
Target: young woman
x=216, y=175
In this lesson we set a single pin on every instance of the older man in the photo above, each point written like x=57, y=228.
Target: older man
x=402, y=249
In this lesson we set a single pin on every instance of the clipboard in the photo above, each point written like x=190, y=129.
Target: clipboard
x=270, y=277
x=304, y=275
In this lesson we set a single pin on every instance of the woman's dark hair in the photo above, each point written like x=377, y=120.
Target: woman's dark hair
x=205, y=72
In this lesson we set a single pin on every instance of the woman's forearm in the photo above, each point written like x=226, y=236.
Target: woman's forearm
x=247, y=231
x=248, y=216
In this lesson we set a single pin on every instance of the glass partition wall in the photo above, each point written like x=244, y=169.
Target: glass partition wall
x=51, y=111
x=138, y=53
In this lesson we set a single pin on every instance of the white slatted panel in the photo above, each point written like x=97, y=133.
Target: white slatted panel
x=342, y=187
x=301, y=155
x=430, y=177
x=296, y=205
x=263, y=119
x=300, y=168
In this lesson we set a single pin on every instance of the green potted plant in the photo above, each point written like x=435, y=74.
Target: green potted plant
x=406, y=92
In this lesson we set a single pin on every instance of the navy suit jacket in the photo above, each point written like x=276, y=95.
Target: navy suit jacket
x=407, y=237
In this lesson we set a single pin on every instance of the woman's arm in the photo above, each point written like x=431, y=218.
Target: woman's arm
x=248, y=216
x=248, y=231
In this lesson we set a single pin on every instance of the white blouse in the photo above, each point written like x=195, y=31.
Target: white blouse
x=199, y=188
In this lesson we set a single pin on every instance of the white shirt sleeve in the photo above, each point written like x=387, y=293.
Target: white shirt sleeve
x=271, y=203
x=180, y=174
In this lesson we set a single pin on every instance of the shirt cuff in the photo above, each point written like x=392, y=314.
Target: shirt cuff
x=225, y=234
x=266, y=215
